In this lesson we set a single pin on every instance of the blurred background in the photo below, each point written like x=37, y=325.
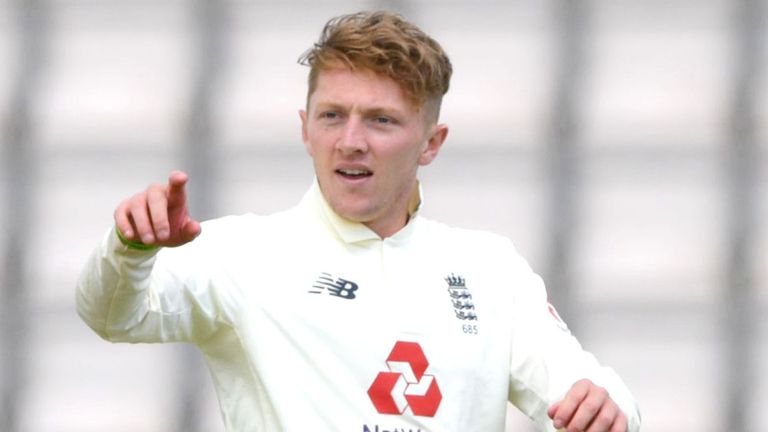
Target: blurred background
x=621, y=144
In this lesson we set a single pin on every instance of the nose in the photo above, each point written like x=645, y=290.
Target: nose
x=353, y=138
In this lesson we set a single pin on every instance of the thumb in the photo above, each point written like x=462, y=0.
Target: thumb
x=190, y=230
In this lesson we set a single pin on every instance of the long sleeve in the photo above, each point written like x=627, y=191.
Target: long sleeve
x=162, y=295
x=547, y=359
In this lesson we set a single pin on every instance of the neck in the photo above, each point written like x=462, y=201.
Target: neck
x=384, y=229
x=388, y=227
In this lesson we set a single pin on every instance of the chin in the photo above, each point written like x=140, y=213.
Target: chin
x=354, y=214
x=359, y=217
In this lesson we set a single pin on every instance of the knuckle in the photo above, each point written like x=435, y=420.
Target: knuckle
x=141, y=196
x=120, y=211
x=135, y=206
x=138, y=200
x=149, y=193
x=582, y=388
x=605, y=418
x=137, y=211
x=565, y=412
x=583, y=382
x=602, y=392
x=591, y=406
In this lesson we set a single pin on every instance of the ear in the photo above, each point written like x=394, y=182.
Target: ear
x=434, y=143
x=304, y=132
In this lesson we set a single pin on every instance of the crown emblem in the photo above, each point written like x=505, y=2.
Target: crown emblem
x=455, y=281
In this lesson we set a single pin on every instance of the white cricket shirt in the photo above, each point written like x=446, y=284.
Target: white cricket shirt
x=309, y=322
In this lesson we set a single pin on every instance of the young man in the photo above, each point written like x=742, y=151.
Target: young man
x=350, y=312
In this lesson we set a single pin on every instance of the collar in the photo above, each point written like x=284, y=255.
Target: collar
x=354, y=232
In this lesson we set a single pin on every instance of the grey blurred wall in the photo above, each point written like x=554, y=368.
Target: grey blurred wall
x=621, y=144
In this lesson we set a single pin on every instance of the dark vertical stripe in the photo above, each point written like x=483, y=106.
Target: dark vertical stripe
x=19, y=179
x=562, y=155
x=199, y=158
x=741, y=171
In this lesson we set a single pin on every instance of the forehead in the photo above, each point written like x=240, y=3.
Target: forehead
x=360, y=88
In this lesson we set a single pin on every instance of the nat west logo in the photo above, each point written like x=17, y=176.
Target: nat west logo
x=337, y=287
x=406, y=385
x=376, y=428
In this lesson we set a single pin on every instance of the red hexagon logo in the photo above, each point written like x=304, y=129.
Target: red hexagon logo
x=406, y=384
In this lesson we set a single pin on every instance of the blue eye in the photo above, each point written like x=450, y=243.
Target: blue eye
x=383, y=120
x=329, y=115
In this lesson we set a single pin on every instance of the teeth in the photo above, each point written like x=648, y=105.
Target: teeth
x=353, y=172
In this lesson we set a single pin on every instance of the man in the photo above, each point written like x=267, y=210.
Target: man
x=351, y=312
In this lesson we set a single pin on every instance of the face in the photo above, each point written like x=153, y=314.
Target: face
x=367, y=141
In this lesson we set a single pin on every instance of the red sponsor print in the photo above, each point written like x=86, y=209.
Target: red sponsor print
x=406, y=385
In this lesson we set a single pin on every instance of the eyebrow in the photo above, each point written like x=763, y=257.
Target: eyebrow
x=372, y=110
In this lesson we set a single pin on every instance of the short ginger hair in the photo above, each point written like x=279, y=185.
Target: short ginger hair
x=386, y=44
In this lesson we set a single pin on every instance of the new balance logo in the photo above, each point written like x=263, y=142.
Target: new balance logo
x=337, y=287
x=406, y=385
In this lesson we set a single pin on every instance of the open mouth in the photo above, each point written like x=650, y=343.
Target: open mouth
x=354, y=173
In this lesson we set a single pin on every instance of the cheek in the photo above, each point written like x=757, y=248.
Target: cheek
x=309, y=149
x=317, y=143
x=415, y=155
x=405, y=163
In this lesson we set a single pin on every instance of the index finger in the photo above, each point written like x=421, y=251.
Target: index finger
x=176, y=188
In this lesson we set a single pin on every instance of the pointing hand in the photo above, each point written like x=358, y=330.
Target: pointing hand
x=158, y=216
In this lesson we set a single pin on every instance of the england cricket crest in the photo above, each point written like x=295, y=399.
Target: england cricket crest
x=461, y=298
